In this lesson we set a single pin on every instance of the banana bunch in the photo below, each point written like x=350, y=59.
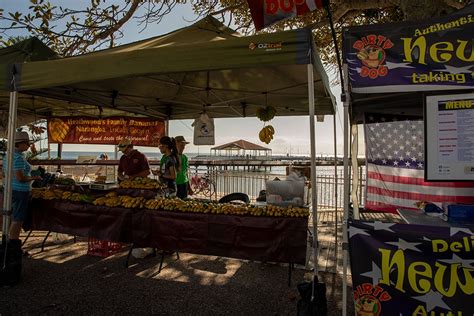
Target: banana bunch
x=266, y=114
x=57, y=130
x=76, y=197
x=140, y=183
x=266, y=134
x=132, y=202
x=46, y=194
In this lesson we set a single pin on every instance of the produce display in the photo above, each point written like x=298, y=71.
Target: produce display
x=112, y=200
x=57, y=194
x=266, y=134
x=171, y=204
x=265, y=114
x=141, y=183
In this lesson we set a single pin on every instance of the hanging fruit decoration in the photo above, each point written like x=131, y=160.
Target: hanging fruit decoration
x=265, y=114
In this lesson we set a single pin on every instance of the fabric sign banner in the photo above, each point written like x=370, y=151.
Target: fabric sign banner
x=267, y=12
x=401, y=269
x=396, y=167
x=419, y=56
x=92, y=130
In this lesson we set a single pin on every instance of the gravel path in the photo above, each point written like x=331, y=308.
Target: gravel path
x=64, y=280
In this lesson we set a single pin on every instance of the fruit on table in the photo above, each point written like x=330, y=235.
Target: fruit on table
x=267, y=113
x=57, y=130
x=172, y=204
x=195, y=206
x=266, y=134
x=140, y=183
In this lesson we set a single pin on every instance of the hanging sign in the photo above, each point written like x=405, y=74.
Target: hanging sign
x=404, y=269
x=418, y=56
x=92, y=130
x=267, y=12
x=203, y=130
x=449, y=122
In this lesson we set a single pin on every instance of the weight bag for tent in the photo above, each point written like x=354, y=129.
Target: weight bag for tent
x=318, y=306
x=11, y=273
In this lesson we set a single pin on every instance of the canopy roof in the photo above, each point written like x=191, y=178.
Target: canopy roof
x=239, y=145
x=205, y=66
x=32, y=108
x=409, y=60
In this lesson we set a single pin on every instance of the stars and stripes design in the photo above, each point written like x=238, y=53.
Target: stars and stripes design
x=395, y=168
x=383, y=254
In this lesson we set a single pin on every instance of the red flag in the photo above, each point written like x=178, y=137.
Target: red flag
x=268, y=12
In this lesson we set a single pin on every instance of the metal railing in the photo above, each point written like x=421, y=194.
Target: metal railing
x=252, y=182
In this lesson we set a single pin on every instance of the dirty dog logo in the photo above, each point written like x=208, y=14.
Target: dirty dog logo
x=368, y=299
x=368, y=305
x=372, y=55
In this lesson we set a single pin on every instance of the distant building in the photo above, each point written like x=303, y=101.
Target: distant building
x=241, y=148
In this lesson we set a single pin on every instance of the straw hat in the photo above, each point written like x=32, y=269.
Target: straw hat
x=124, y=143
x=22, y=137
x=180, y=139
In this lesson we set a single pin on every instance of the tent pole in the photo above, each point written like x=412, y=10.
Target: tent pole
x=336, y=195
x=345, y=245
x=314, y=197
x=355, y=170
x=7, y=190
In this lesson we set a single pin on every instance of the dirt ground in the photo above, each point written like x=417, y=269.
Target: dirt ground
x=65, y=280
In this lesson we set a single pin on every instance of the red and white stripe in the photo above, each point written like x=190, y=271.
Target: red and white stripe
x=389, y=188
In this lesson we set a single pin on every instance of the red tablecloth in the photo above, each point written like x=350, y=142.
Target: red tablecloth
x=279, y=239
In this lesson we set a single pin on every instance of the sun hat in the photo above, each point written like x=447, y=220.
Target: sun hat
x=22, y=137
x=123, y=144
x=180, y=139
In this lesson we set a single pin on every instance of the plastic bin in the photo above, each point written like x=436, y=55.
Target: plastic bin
x=102, y=248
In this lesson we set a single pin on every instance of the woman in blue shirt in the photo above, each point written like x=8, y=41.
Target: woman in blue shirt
x=21, y=184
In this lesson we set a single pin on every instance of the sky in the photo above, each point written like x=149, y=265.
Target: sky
x=291, y=133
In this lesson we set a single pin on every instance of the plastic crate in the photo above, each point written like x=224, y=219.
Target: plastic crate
x=102, y=248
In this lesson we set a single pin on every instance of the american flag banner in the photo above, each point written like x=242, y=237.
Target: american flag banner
x=395, y=168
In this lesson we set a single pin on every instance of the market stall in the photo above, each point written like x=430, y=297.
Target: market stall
x=391, y=70
x=261, y=238
x=204, y=68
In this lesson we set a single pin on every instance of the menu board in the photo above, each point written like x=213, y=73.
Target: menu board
x=449, y=137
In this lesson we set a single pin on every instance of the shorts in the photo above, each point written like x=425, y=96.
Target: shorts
x=182, y=190
x=20, y=200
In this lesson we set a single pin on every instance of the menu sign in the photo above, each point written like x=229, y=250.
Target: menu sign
x=92, y=130
x=449, y=134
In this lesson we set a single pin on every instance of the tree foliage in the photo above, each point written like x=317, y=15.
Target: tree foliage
x=70, y=31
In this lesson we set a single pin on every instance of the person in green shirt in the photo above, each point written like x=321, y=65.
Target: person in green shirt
x=182, y=181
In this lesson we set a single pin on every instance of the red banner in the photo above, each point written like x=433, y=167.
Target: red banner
x=268, y=12
x=92, y=130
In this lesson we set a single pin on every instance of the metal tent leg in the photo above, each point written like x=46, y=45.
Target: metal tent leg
x=44, y=241
x=27, y=236
x=128, y=255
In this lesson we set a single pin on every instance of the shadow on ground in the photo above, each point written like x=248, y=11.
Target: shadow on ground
x=64, y=280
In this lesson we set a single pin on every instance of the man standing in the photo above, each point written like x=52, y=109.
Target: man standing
x=182, y=181
x=133, y=163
